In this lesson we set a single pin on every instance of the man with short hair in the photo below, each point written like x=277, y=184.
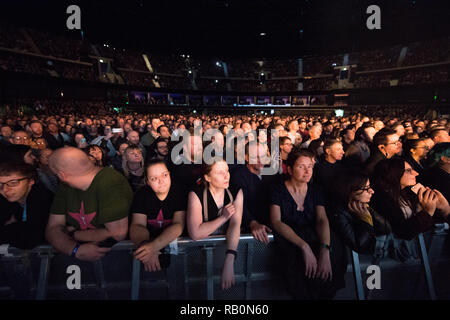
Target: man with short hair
x=439, y=136
x=161, y=149
x=133, y=138
x=302, y=125
x=20, y=137
x=358, y=151
x=117, y=159
x=183, y=168
x=6, y=134
x=399, y=129
x=164, y=131
x=386, y=144
x=55, y=138
x=286, y=146
x=378, y=125
x=348, y=136
x=314, y=133
x=152, y=133
x=91, y=205
x=326, y=168
x=24, y=205
x=296, y=138
x=327, y=130
x=255, y=187
x=37, y=134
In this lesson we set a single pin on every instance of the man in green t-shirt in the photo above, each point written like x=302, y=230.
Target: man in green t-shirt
x=91, y=205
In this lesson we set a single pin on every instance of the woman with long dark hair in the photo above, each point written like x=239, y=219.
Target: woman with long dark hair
x=215, y=209
x=351, y=217
x=408, y=207
x=97, y=155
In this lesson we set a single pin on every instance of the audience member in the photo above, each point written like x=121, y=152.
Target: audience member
x=214, y=209
x=24, y=206
x=90, y=206
x=302, y=232
x=158, y=217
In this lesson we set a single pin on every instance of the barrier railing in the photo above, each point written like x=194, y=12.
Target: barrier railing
x=179, y=277
x=425, y=264
x=178, y=286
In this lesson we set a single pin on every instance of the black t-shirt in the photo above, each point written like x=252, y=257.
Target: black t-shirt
x=159, y=213
x=186, y=175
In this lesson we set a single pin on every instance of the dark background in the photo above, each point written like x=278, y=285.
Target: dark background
x=231, y=28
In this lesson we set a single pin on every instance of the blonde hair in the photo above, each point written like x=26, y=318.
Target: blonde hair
x=124, y=159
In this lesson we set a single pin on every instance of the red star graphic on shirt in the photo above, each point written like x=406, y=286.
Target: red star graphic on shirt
x=159, y=222
x=84, y=220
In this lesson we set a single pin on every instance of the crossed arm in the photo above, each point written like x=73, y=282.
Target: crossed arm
x=57, y=235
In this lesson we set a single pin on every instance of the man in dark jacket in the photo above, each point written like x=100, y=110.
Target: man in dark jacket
x=386, y=144
x=24, y=206
x=358, y=151
x=255, y=215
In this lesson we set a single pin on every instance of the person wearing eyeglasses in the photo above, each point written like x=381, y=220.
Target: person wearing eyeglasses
x=158, y=216
x=302, y=233
x=351, y=216
x=385, y=145
x=410, y=209
x=160, y=149
x=415, y=152
x=286, y=147
x=24, y=206
x=20, y=137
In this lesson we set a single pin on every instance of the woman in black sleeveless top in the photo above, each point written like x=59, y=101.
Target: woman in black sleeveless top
x=215, y=209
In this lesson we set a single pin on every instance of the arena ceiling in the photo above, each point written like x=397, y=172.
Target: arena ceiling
x=238, y=28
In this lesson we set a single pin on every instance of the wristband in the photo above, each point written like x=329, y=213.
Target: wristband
x=326, y=246
x=75, y=249
x=233, y=252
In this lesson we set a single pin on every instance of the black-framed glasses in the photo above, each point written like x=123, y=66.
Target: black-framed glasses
x=364, y=189
x=396, y=143
x=12, y=183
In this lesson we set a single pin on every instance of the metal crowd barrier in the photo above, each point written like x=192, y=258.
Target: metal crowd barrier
x=178, y=276
x=424, y=261
x=177, y=281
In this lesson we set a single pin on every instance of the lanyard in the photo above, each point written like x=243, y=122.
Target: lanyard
x=24, y=213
